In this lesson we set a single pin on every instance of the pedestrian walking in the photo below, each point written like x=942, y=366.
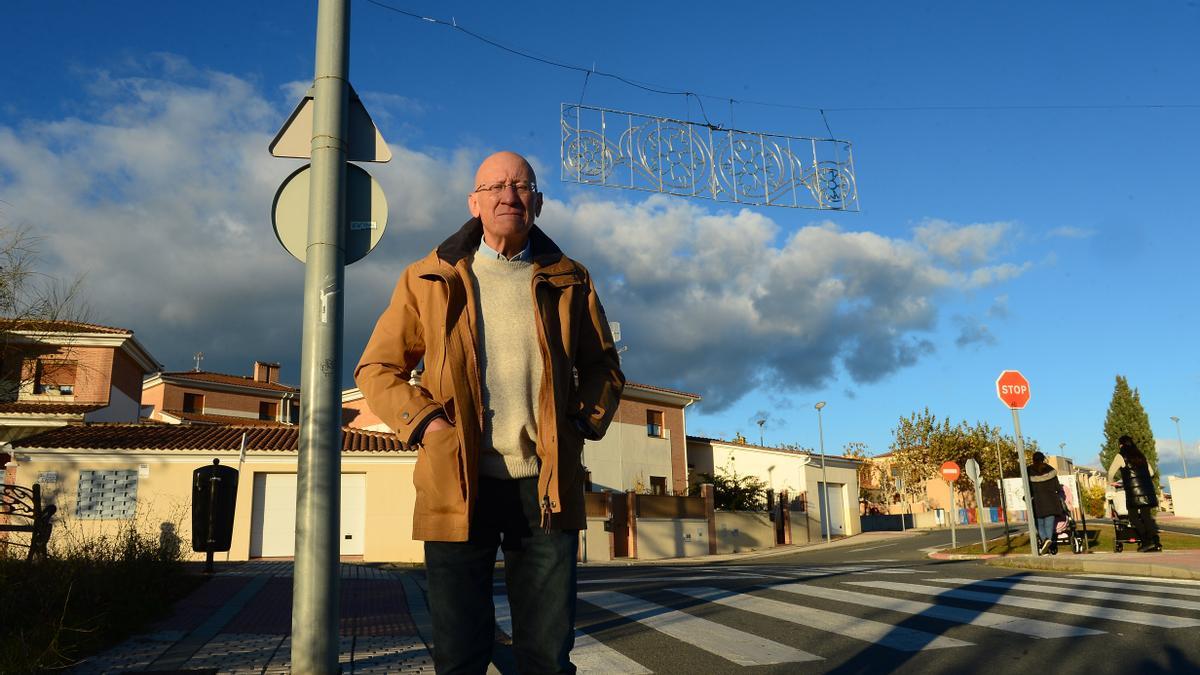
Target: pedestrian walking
x=1047, y=495
x=520, y=369
x=1137, y=479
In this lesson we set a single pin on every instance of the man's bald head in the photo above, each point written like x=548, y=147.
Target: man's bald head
x=506, y=200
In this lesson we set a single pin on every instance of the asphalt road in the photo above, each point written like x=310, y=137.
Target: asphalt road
x=880, y=606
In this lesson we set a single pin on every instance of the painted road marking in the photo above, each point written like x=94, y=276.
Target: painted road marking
x=589, y=655
x=896, y=637
x=1091, y=611
x=743, y=648
x=1005, y=622
x=1046, y=589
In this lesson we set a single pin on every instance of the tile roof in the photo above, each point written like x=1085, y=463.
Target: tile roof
x=664, y=389
x=46, y=408
x=222, y=378
x=60, y=327
x=197, y=437
x=205, y=418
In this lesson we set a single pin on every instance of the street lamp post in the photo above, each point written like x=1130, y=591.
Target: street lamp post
x=1180, y=434
x=760, y=432
x=824, y=477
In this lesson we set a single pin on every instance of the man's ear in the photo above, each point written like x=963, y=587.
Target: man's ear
x=537, y=206
x=473, y=205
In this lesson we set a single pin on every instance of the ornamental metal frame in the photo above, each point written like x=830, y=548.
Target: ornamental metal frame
x=613, y=148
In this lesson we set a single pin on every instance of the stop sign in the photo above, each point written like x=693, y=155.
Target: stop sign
x=950, y=471
x=1013, y=389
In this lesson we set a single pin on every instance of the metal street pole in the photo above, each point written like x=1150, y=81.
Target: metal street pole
x=1025, y=483
x=1000, y=482
x=1180, y=434
x=824, y=478
x=315, y=590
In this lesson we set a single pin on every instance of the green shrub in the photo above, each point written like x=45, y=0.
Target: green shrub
x=91, y=592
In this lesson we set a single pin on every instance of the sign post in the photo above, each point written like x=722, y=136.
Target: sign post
x=1013, y=390
x=1000, y=484
x=951, y=473
x=973, y=474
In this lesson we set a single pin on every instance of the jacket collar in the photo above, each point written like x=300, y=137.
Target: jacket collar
x=466, y=241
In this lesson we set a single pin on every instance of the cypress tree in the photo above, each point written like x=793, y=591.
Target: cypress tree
x=1127, y=417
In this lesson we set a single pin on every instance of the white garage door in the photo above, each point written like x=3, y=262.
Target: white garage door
x=273, y=516
x=835, y=521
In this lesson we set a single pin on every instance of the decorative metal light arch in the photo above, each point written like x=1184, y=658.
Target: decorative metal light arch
x=628, y=150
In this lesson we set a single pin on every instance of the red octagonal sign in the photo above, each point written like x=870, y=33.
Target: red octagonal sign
x=1013, y=389
x=950, y=471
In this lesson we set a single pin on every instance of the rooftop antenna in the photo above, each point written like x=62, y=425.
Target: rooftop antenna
x=199, y=356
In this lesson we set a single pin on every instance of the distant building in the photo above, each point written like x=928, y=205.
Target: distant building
x=201, y=397
x=54, y=373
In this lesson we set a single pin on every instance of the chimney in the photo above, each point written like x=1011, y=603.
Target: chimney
x=266, y=372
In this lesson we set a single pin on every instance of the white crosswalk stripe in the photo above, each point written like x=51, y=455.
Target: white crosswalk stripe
x=735, y=645
x=1012, y=624
x=1047, y=589
x=896, y=637
x=589, y=655
x=1126, y=585
x=1157, y=580
x=1091, y=611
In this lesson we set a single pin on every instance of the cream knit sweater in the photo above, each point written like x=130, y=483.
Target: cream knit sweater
x=511, y=365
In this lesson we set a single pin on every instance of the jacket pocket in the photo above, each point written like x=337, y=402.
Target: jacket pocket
x=438, y=476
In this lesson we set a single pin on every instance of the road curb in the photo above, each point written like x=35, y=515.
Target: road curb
x=963, y=556
x=1075, y=564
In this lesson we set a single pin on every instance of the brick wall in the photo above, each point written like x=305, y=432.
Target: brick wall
x=92, y=374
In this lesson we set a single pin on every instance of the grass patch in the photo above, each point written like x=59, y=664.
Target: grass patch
x=1171, y=541
x=88, y=595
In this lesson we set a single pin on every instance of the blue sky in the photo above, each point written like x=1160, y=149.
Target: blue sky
x=1022, y=207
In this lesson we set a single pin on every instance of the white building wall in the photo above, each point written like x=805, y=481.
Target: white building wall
x=627, y=456
x=1185, y=496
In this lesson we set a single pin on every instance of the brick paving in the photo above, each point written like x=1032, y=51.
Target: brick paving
x=239, y=621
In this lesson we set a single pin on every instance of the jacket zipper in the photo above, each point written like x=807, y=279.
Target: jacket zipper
x=547, y=372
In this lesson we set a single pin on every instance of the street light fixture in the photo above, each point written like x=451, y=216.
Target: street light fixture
x=1180, y=434
x=824, y=478
x=760, y=432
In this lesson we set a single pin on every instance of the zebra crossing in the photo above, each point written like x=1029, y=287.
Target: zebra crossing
x=738, y=616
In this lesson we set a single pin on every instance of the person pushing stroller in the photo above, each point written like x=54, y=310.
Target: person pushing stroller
x=1047, y=494
x=1137, y=479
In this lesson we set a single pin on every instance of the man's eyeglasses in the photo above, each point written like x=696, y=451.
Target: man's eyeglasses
x=522, y=187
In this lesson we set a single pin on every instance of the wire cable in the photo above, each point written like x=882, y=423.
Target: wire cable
x=668, y=91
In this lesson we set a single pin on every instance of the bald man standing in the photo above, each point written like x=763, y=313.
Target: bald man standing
x=520, y=369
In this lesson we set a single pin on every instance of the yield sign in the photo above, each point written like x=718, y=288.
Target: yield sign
x=950, y=471
x=1013, y=389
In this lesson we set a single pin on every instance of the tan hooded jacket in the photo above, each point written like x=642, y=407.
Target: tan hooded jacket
x=432, y=316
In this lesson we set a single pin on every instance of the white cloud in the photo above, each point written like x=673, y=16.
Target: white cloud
x=162, y=197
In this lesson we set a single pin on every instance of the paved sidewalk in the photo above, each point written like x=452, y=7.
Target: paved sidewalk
x=239, y=621
x=1165, y=564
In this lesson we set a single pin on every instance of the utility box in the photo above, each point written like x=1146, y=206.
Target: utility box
x=214, y=496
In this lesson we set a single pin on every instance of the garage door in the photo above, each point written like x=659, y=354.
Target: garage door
x=835, y=520
x=273, y=515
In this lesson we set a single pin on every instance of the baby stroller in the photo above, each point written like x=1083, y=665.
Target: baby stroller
x=1123, y=532
x=1065, y=532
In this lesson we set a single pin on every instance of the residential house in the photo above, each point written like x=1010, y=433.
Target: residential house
x=56, y=373
x=201, y=397
x=803, y=474
x=106, y=476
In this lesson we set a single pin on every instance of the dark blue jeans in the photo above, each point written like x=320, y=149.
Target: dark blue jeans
x=539, y=573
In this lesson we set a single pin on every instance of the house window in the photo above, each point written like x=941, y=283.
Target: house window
x=107, y=495
x=193, y=403
x=658, y=485
x=268, y=410
x=654, y=423
x=55, y=377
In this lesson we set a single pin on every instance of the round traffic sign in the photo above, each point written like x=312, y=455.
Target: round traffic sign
x=950, y=471
x=1013, y=389
x=366, y=213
